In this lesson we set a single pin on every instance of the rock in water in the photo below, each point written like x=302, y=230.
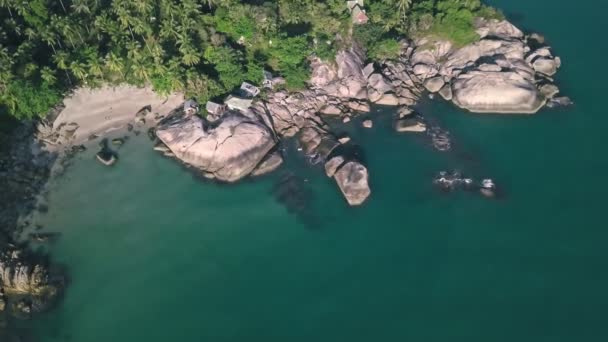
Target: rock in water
x=24, y=277
x=106, y=156
x=352, y=178
x=118, y=141
x=332, y=165
x=496, y=92
x=229, y=150
x=561, y=101
x=409, y=125
x=270, y=163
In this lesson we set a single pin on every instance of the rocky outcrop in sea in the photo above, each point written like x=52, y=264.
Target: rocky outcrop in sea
x=504, y=72
x=26, y=284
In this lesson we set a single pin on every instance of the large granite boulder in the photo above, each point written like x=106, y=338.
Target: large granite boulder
x=316, y=141
x=352, y=178
x=467, y=56
x=546, y=66
x=270, y=163
x=322, y=73
x=497, y=28
x=496, y=92
x=345, y=79
x=228, y=151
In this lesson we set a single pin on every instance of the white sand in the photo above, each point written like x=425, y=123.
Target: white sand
x=101, y=110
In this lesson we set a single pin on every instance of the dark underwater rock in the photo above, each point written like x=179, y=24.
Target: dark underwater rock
x=106, y=156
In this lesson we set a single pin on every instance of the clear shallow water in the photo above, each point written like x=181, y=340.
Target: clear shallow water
x=157, y=255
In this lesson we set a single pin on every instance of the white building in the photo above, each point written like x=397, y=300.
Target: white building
x=215, y=108
x=356, y=8
x=190, y=107
x=249, y=89
x=238, y=103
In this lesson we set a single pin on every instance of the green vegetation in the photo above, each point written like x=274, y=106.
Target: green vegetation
x=449, y=19
x=204, y=48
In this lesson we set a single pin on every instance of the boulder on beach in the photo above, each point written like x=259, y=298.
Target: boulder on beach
x=227, y=151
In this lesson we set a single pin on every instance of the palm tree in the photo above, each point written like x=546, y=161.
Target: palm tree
x=189, y=55
x=49, y=38
x=30, y=33
x=81, y=7
x=79, y=70
x=61, y=59
x=7, y=4
x=93, y=62
x=48, y=75
x=133, y=48
x=403, y=6
x=114, y=63
x=140, y=71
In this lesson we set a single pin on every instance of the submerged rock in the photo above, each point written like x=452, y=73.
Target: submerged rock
x=409, y=125
x=118, y=141
x=562, y=101
x=270, y=163
x=106, y=156
x=451, y=181
x=292, y=192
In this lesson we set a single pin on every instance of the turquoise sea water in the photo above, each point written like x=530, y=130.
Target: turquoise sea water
x=155, y=254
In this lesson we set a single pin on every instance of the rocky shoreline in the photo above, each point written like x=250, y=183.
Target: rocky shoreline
x=27, y=284
x=504, y=72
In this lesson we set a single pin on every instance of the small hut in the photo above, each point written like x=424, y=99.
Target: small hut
x=354, y=3
x=249, y=90
x=356, y=8
x=270, y=81
x=267, y=83
x=216, y=109
x=190, y=107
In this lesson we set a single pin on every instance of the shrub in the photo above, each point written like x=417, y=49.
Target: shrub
x=26, y=100
x=385, y=49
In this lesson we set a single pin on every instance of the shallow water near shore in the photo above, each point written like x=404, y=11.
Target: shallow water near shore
x=155, y=254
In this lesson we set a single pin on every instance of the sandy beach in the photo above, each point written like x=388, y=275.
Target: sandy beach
x=104, y=109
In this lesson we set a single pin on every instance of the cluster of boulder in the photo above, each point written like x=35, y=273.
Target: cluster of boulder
x=504, y=72
x=454, y=180
x=25, y=283
x=24, y=170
